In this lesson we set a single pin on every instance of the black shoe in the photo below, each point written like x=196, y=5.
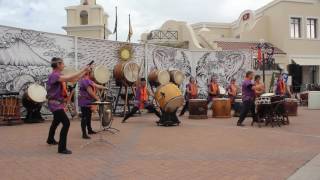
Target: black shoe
x=240, y=125
x=92, y=132
x=54, y=142
x=86, y=137
x=65, y=152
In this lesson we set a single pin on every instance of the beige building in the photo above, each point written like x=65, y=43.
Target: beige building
x=292, y=26
x=87, y=19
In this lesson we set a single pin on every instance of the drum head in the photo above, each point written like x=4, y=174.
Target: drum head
x=268, y=95
x=131, y=72
x=163, y=77
x=198, y=100
x=37, y=93
x=179, y=77
x=174, y=104
x=222, y=90
x=101, y=74
x=69, y=71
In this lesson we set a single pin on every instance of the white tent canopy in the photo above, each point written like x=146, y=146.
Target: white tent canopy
x=307, y=61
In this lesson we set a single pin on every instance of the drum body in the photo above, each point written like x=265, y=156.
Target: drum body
x=158, y=77
x=198, y=109
x=169, y=97
x=221, y=108
x=237, y=107
x=101, y=74
x=291, y=105
x=177, y=77
x=10, y=110
x=126, y=72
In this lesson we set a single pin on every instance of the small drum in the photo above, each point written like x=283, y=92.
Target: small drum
x=177, y=77
x=101, y=74
x=37, y=93
x=291, y=106
x=221, y=108
x=9, y=109
x=198, y=109
x=127, y=72
x=169, y=97
x=159, y=77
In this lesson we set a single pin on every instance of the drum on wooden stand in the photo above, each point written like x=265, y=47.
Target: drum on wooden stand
x=32, y=100
x=169, y=97
x=158, y=77
x=198, y=109
x=177, y=77
x=101, y=75
x=221, y=108
x=126, y=72
x=9, y=109
x=291, y=106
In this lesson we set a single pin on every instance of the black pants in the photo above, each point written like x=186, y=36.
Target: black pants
x=60, y=116
x=150, y=108
x=246, y=107
x=86, y=114
x=185, y=108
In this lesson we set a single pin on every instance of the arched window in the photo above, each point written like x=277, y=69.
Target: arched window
x=84, y=17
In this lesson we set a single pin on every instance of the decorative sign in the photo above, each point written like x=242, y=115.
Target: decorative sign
x=246, y=17
x=125, y=52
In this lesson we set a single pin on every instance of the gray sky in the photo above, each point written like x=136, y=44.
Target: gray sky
x=49, y=15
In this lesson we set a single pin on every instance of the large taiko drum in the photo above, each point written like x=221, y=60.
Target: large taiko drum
x=169, y=97
x=198, y=109
x=101, y=74
x=221, y=108
x=36, y=93
x=126, y=72
x=291, y=106
x=69, y=71
x=177, y=77
x=159, y=77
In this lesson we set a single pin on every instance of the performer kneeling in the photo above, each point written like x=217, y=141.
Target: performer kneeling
x=86, y=97
x=141, y=101
x=248, y=97
x=56, y=98
x=191, y=93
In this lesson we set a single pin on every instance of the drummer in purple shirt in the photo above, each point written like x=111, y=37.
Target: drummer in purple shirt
x=56, y=90
x=86, y=97
x=248, y=98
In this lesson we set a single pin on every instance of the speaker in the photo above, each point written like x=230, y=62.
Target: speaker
x=295, y=71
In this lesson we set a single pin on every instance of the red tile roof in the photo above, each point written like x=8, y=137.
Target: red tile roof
x=225, y=45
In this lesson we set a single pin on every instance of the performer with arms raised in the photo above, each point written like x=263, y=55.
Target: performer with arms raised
x=260, y=88
x=56, y=88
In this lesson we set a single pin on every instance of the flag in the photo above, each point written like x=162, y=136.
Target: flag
x=130, y=30
x=115, y=31
x=259, y=57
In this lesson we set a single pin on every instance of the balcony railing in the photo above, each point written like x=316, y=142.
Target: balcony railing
x=269, y=65
x=163, y=35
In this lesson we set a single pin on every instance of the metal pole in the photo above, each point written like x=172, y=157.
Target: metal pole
x=263, y=69
x=77, y=68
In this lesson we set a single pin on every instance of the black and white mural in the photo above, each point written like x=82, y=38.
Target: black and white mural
x=25, y=59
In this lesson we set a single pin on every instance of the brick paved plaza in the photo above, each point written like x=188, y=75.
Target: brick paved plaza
x=198, y=149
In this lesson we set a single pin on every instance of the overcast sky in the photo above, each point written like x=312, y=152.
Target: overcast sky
x=50, y=16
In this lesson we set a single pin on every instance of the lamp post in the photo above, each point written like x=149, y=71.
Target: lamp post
x=265, y=48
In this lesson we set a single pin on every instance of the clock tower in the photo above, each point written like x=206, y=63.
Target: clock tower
x=87, y=19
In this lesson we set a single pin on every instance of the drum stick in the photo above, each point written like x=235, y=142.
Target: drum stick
x=90, y=63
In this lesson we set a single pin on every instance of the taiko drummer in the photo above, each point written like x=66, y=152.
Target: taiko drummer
x=142, y=100
x=191, y=93
x=88, y=94
x=56, y=98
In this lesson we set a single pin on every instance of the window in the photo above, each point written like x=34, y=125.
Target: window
x=295, y=27
x=84, y=17
x=312, y=28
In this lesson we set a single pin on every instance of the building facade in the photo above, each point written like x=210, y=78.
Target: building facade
x=292, y=26
x=87, y=19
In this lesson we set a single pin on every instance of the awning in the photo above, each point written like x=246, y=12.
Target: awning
x=307, y=61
